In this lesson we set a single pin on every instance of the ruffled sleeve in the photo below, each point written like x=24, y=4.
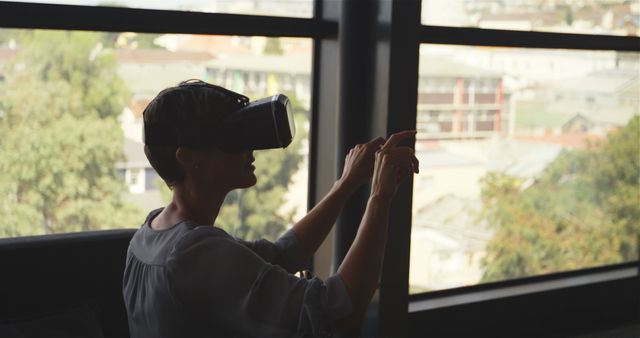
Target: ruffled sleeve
x=324, y=303
x=232, y=289
x=285, y=252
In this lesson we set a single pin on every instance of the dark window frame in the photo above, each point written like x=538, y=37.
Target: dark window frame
x=322, y=28
x=118, y=19
x=121, y=19
x=570, y=309
x=464, y=36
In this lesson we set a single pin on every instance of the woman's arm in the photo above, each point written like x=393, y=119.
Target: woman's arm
x=361, y=268
x=314, y=227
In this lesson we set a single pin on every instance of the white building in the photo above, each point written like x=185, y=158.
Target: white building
x=146, y=73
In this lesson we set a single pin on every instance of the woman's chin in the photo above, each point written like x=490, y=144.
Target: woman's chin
x=250, y=181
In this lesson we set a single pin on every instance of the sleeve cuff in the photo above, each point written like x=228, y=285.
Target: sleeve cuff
x=338, y=301
x=293, y=256
x=324, y=303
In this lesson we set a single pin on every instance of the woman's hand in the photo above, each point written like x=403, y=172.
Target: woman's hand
x=393, y=165
x=358, y=165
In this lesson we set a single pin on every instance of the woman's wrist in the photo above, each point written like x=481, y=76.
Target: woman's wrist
x=380, y=199
x=346, y=185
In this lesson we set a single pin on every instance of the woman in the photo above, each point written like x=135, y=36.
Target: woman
x=186, y=278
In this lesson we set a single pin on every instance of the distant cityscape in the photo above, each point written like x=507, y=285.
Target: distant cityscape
x=512, y=111
x=567, y=16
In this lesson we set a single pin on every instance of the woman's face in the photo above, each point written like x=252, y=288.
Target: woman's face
x=228, y=171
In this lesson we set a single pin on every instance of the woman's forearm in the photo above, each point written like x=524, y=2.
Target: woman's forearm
x=314, y=227
x=361, y=268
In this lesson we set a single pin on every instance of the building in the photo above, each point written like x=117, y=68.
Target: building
x=261, y=75
x=146, y=72
x=458, y=101
x=140, y=178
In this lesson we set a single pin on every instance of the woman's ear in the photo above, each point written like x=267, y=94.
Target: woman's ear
x=186, y=158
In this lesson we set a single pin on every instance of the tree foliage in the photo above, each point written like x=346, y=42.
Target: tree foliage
x=583, y=211
x=273, y=46
x=61, y=139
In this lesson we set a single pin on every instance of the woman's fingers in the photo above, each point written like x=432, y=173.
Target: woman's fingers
x=393, y=164
x=404, y=156
x=376, y=143
x=396, y=138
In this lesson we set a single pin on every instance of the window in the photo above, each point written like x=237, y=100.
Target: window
x=134, y=178
x=551, y=120
x=73, y=103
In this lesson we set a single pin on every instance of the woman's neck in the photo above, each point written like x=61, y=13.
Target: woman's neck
x=192, y=204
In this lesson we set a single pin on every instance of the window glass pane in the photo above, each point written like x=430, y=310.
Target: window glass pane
x=614, y=17
x=70, y=123
x=530, y=163
x=291, y=8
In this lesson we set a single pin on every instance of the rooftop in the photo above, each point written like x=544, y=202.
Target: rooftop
x=299, y=63
x=134, y=152
x=147, y=56
x=444, y=66
x=610, y=81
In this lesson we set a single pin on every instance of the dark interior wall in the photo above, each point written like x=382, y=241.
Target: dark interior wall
x=46, y=275
x=43, y=276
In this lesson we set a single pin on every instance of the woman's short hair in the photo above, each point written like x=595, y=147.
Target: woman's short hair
x=191, y=102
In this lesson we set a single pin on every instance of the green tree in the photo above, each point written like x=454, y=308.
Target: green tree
x=273, y=46
x=568, y=15
x=584, y=210
x=60, y=136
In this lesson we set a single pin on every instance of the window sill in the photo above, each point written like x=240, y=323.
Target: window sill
x=461, y=298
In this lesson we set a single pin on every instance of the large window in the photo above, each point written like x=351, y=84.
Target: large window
x=528, y=119
x=530, y=162
x=71, y=107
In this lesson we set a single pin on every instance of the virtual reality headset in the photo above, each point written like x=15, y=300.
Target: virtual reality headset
x=262, y=124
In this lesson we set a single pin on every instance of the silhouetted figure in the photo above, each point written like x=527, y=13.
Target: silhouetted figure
x=184, y=277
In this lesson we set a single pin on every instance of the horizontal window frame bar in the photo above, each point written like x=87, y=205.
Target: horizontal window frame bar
x=525, y=39
x=461, y=298
x=117, y=19
x=522, y=281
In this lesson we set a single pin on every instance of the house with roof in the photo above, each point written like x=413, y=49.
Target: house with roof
x=146, y=72
x=449, y=234
x=140, y=178
x=447, y=237
x=447, y=244
x=594, y=104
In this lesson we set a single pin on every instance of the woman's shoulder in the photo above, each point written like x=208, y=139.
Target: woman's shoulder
x=203, y=237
